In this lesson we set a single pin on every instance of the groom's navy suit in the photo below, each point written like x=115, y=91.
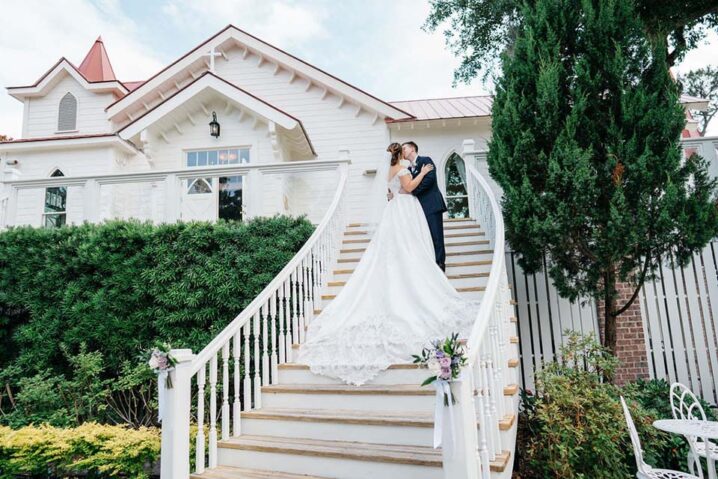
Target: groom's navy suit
x=432, y=202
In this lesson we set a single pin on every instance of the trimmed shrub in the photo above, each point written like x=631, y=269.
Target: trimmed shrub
x=574, y=427
x=78, y=304
x=98, y=450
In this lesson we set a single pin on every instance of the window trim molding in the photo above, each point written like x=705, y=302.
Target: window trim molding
x=186, y=151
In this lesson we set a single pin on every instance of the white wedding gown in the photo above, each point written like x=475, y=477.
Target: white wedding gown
x=395, y=302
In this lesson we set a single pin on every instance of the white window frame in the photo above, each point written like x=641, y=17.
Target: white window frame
x=45, y=214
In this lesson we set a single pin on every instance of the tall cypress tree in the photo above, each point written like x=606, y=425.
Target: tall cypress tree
x=586, y=127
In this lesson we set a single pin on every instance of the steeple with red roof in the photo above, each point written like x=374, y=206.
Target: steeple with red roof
x=96, y=65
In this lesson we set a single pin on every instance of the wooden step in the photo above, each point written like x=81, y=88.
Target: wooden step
x=457, y=220
x=355, y=250
x=389, y=389
x=358, y=451
x=466, y=253
x=468, y=275
x=461, y=227
x=348, y=260
x=511, y=390
x=513, y=363
x=500, y=461
x=355, y=225
x=355, y=233
x=352, y=416
x=305, y=367
x=514, y=340
x=469, y=263
x=343, y=271
x=228, y=472
x=471, y=289
x=344, y=416
x=329, y=296
x=513, y=319
x=464, y=235
x=333, y=284
x=468, y=243
x=356, y=241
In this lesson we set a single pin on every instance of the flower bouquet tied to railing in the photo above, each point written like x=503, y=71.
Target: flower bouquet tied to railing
x=162, y=362
x=445, y=359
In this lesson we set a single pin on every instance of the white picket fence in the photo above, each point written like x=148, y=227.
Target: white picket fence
x=543, y=318
x=680, y=322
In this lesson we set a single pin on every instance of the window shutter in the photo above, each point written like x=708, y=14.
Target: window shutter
x=67, y=116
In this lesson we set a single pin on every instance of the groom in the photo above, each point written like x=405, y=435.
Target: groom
x=430, y=198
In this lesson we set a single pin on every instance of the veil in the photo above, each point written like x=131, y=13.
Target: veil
x=377, y=194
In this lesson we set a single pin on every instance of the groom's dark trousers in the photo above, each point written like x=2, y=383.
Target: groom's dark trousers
x=434, y=206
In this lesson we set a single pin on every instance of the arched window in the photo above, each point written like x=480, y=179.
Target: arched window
x=55, y=212
x=67, y=113
x=456, y=196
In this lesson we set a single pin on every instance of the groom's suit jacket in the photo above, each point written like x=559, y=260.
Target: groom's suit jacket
x=428, y=193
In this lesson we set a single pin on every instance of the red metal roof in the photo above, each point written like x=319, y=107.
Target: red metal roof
x=96, y=65
x=132, y=85
x=445, y=108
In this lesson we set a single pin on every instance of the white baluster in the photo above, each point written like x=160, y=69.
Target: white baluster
x=292, y=325
x=247, y=377
x=213, y=412
x=302, y=304
x=236, y=406
x=283, y=307
x=275, y=342
x=295, y=306
x=265, y=345
x=225, y=391
x=200, y=439
x=483, y=420
x=257, y=366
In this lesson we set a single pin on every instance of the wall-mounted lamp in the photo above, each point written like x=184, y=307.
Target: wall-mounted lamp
x=214, y=126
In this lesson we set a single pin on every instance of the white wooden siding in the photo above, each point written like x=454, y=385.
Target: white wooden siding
x=42, y=112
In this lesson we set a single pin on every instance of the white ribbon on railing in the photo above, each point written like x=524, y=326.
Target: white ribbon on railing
x=161, y=393
x=443, y=391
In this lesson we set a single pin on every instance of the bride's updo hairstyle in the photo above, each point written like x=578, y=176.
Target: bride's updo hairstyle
x=395, y=150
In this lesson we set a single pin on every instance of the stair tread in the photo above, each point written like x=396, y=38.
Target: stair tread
x=228, y=472
x=305, y=367
x=390, y=389
x=354, y=416
x=403, y=454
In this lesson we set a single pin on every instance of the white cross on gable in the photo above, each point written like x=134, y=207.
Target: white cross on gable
x=211, y=54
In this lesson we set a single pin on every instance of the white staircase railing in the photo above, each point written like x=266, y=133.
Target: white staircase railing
x=248, y=350
x=480, y=393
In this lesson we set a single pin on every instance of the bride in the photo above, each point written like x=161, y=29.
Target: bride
x=397, y=299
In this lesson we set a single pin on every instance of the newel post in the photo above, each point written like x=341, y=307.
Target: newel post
x=174, y=459
x=462, y=459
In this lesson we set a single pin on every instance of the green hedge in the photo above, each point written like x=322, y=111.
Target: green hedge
x=91, y=449
x=115, y=289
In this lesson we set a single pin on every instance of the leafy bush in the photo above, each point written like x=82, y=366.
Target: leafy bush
x=574, y=427
x=77, y=305
x=102, y=451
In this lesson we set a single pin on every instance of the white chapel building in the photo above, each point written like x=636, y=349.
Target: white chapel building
x=94, y=147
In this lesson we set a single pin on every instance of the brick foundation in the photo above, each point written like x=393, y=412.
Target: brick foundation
x=630, y=341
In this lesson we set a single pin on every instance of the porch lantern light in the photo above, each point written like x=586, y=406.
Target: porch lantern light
x=214, y=126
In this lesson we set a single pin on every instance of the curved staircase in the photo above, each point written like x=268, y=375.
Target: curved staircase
x=290, y=423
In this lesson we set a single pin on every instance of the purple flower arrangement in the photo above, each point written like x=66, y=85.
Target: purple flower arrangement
x=444, y=359
x=162, y=361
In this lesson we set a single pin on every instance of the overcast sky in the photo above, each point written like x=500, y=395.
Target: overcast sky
x=377, y=45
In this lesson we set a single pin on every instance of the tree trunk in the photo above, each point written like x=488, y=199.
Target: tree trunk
x=609, y=315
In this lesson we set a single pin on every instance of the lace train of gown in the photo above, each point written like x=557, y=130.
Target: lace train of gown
x=395, y=302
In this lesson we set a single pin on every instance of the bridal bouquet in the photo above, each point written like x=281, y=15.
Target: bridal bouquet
x=444, y=358
x=161, y=361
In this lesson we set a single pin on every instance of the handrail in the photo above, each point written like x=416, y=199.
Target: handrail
x=231, y=329
x=495, y=274
x=245, y=356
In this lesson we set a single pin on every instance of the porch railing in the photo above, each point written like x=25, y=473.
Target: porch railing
x=169, y=181
x=480, y=392
x=245, y=356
